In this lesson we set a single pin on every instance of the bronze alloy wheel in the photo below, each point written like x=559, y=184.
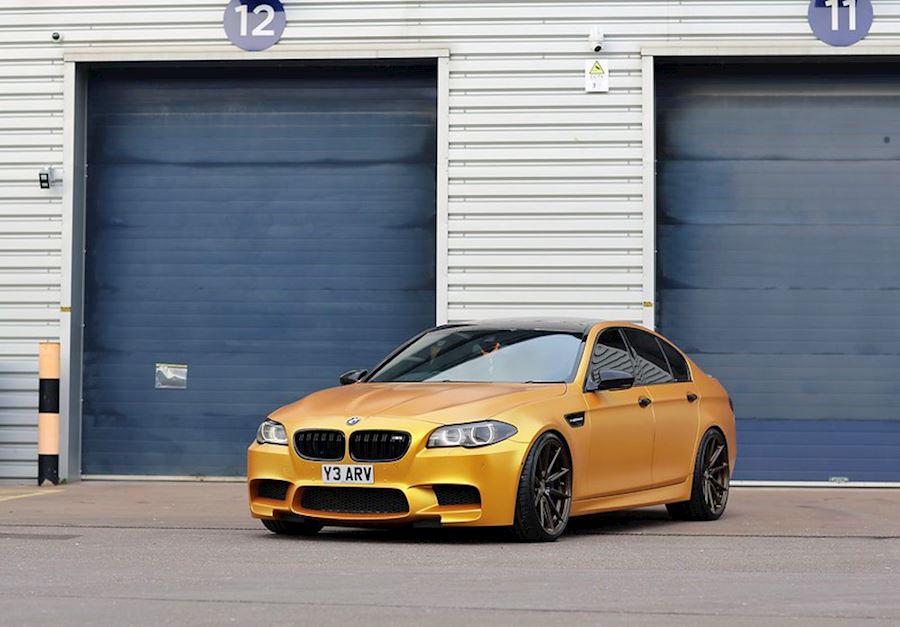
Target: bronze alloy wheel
x=712, y=475
x=545, y=491
x=715, y=474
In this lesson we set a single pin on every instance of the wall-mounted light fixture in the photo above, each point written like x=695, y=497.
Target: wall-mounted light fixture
x=49, y=176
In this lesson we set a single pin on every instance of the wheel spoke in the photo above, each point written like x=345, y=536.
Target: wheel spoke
x=553, y=461
x=549, y=524
x=541, y=513
x=544, y=466
x=557, y=508
x=557, y=475
x=559, y=493
x=718, y=498
x=715, y=456
x=719, y=468
x=715, y=482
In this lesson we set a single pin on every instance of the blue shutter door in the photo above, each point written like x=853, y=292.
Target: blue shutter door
x=269, y=227
x=779, y=256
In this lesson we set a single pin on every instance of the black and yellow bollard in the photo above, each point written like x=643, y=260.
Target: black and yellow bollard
x=48, y=413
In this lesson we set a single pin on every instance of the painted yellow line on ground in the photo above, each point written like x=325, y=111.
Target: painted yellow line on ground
x=27, y=494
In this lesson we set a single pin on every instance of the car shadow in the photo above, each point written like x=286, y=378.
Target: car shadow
x=620, y=522
x=625, y=521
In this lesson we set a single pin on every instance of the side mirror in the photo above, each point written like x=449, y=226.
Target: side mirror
x=609, y=380
x=352, y=376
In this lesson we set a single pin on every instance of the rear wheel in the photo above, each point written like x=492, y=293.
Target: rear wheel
x=709, y=494
x=292, y=528
x=544, y=498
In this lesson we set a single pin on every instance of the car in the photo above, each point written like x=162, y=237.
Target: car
x=515, y=423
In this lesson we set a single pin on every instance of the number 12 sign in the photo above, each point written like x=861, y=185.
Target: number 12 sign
x=254, y=24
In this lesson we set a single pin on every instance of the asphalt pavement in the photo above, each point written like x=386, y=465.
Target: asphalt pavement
x=188, y=554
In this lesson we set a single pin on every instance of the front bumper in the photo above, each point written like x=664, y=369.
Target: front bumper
x=494, y=470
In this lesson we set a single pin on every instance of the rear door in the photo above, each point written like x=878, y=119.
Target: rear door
x=621, y=429
x=676, y=416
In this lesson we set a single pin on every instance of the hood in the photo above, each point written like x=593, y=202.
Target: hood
x=391, y=405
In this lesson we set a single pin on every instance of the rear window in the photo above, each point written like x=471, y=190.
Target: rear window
x=652, y=364
x=679, y=365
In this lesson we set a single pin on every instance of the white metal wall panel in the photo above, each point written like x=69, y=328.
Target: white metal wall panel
x=545, y=181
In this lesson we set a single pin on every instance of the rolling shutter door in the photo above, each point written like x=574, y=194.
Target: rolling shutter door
x=269, y=227
x=778, y=238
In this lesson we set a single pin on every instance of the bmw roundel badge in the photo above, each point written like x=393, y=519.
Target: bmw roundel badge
x=353, y=420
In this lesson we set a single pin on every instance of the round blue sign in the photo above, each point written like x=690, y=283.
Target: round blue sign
x=841, y=22
x=254, y=24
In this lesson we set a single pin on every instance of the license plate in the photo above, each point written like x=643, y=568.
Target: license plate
x=348, y=473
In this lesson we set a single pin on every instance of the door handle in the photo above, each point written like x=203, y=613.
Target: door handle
x=644, y=401
x=691, y=397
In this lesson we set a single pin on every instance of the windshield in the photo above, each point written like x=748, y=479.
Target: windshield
x=486, y=356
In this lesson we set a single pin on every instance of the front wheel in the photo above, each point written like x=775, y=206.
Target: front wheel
x=544, y=498
x=292, y=528
x=709, y=493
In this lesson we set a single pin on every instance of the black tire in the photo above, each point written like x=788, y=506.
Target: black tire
x=710, y=487
x=292, y=528
x=544, y=496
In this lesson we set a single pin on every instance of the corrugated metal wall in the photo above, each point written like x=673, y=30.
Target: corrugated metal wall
x=545, y=180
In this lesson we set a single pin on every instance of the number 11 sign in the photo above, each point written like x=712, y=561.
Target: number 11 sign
x=840, y=22
x=254, y=24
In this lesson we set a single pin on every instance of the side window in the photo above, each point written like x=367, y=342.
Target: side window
x=651, y=362
x=677, y=363
x=611, y=353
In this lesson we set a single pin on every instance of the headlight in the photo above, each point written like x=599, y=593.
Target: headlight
x=471, y=434
x=271, y=432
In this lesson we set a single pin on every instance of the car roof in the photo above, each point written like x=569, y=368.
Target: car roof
x=562, y=325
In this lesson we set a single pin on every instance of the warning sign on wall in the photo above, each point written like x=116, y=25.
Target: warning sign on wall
x=596, y=76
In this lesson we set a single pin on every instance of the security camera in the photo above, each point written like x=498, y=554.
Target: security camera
x=56, y=36
x=596, y=39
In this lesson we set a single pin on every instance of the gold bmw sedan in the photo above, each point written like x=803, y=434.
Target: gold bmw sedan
x=521, y=423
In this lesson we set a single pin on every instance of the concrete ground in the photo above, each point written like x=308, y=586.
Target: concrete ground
x=188, y=554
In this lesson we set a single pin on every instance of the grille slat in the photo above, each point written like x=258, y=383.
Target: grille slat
x=378, y=446
x=354, y=500
x=320, y=445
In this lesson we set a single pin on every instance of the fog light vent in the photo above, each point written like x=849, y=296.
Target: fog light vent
x=272, y=489
x=448, y=494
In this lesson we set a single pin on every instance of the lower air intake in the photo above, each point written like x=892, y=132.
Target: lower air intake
x=354, y=500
